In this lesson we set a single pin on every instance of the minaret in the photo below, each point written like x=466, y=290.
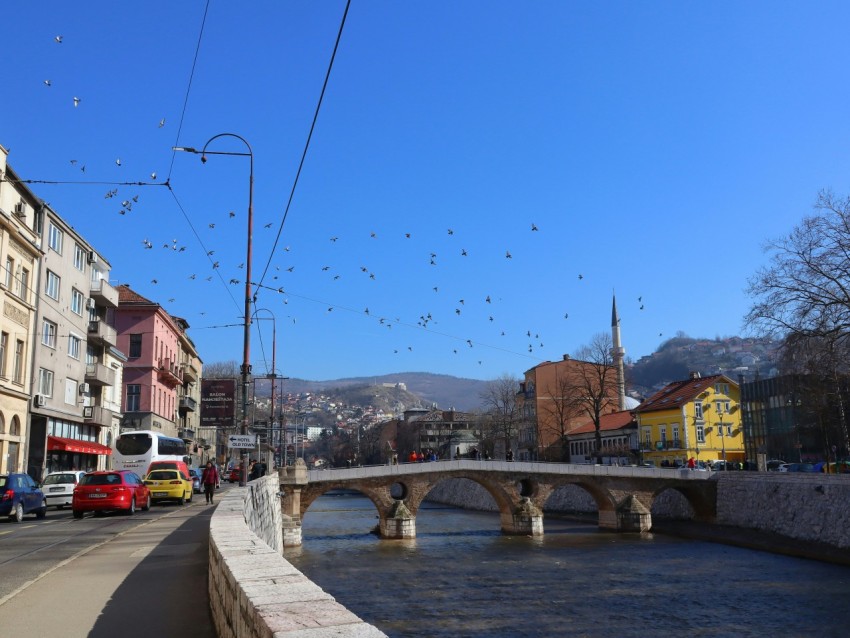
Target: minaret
x=618, y=353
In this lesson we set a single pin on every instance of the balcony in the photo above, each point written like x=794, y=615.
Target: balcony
x=190, y=372
x=97, y=415
x=187, y=404
x=102, y=334
x=99, y=374
x=187, y=434
x=103, y=293
x=170, y=373
x=674, y=444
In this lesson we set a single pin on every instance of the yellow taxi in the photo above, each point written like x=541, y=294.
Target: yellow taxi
x=169, y=485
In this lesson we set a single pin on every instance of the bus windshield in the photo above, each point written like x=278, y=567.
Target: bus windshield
x=133, y=444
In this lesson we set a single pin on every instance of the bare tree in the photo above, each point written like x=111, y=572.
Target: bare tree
x=500, y=405
x=560, y=408
x=804, y=295
x=595, y=385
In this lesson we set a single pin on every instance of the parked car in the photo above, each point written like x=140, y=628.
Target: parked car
x=58, y=487
x=783, y=467
x=19, y=495
x=773, y=465
x=801, y=467
x=169, y=485
x=195, y=475
x=110, y=490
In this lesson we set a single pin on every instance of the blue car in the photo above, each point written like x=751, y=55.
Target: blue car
x=20, y=495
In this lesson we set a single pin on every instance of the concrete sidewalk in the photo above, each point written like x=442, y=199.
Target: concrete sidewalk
x=150, y=581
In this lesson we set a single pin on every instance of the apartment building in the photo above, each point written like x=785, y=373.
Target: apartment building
x=199, y=440
x=76, y=368
x=19, y=256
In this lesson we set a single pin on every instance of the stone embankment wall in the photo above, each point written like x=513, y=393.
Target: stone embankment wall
x=805, y=507
x=254, y=591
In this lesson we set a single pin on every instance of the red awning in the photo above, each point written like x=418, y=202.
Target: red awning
x=75, y=445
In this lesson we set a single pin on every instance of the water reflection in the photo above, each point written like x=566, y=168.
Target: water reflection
x=462, y=577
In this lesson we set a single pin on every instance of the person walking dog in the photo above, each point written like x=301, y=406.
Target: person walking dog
x=210, y=479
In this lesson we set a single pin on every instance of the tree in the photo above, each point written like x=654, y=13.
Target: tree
x=804, y=294
x=595, y=384
x=501, y=418
x=560, y=408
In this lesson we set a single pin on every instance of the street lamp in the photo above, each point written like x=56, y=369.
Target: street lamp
x=246, y=340
x=273, y=372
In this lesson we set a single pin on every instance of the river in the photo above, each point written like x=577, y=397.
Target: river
x=460, y=577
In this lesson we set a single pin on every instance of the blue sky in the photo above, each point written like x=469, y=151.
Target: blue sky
x=655, y=146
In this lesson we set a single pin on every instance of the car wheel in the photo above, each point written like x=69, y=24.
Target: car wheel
x=147, y=504
x=132, y=509
x=191, y=494
x=78, y=514
x=182, y=500
x=42, y=511
x=17, y=514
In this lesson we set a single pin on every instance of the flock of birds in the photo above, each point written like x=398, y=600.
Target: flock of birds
x=425, y=319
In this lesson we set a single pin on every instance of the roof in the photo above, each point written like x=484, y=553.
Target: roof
x=678, y=393
x=128, y=296
x=608, y=422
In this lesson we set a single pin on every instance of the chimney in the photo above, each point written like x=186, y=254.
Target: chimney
x=695, y=375
x=566, y=357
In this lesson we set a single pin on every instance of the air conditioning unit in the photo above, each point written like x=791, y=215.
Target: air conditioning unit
x=84, y=388
x=91, y=304
x=38, y=400
x=92, y=257
x=20, y=210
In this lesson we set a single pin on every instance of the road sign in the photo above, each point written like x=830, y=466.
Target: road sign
x=242, y=440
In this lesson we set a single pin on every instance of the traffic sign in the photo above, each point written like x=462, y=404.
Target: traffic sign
x=242, y=440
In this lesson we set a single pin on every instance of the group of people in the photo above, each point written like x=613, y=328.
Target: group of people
x=420, y=457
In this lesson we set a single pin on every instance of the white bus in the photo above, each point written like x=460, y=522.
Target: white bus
x=136, y=450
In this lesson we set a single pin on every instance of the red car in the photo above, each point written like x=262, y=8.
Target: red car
x=110, y=490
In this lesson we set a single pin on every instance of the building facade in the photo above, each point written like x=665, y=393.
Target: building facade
x=150, y=337
x=73, y=373
x=619, y=438
x=199, y=441
x=20, y=254
x=699, y=417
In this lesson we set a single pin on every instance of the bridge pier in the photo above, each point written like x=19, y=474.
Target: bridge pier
x=526, y=520
x=292, y=479
x=398, y=522
x=629, y=516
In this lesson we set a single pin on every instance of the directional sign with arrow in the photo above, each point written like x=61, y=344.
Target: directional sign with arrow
x=242, y=440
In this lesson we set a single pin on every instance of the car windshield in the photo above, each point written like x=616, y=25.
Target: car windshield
x=162, y=475
x=57, y=479
x=100, y=479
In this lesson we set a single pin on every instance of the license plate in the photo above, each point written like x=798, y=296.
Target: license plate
x=160, y=493
x=57, y=489
x=97, y=495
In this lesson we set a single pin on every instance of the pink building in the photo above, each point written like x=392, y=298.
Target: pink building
x=149, y=337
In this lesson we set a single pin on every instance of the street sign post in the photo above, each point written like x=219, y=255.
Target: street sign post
x=241, y=440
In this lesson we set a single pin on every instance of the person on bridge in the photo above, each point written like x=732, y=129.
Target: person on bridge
x=210, y=480
x=692, y=463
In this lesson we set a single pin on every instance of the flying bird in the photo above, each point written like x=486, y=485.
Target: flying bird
x=118, y=162
x=463, y=252
x=508, y=255
x=269, y=225
x=58, y=39
x=212, y=225
x=162, y=123
x=153, y=281
x=231, y=214
x=47, y=83
x=487, y=299
x=533, y=227
x=153, y=175
x=334, y=238
x=407, y=235
x=580, y=277
x=451, y=232
x=76, y=102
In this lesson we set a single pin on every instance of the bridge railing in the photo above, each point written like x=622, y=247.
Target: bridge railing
x=517, y=467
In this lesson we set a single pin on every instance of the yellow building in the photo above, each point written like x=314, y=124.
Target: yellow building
x=699, y=417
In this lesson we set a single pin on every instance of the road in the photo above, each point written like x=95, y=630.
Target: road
x=137, y=575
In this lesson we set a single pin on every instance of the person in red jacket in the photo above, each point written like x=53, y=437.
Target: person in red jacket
x=210, y=479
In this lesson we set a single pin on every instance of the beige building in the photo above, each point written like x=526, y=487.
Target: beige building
x=19, y=257
x=76, y=372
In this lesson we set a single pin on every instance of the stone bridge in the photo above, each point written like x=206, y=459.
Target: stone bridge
x=623, y=495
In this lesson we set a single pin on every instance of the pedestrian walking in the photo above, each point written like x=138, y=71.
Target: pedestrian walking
x=210, y=480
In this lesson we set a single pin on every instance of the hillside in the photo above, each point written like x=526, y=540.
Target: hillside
x=442, y=390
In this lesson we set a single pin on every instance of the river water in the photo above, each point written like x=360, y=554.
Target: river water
x=460, y=577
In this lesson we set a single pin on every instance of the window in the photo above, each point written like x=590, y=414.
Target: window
x=135, y=346
x=45, y=382
x=48, y=333
x=134, y=395
x=10, y=269
x=698, y=409
x=77, y=302
x=79, y=258
x=721, y=388
x=52, y=288
x=24, y=284
x=74, y=346
x=675, y=428
x=19, y=362
x=700, y=433
x=662, y=432
x=55, y=238
x=4, y=344
x=647, y=436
